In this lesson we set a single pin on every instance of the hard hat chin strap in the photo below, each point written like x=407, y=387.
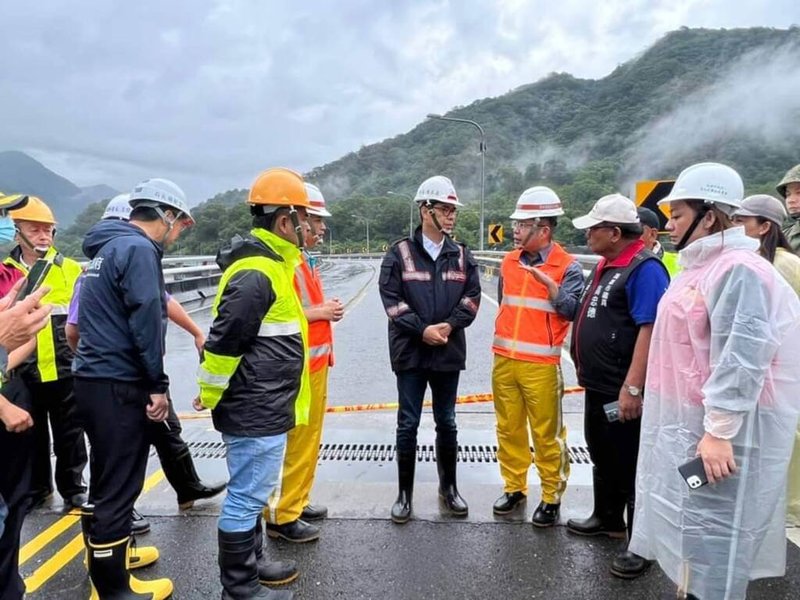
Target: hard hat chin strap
x=40, y=250
x=170, y=224
x=531, y=231
x=298, y=226
x=432, y=213
x=698, y=217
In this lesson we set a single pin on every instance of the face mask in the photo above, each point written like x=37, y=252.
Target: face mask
x=7, y=230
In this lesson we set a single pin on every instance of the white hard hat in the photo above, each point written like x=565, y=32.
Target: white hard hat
x=317, y=201
x=437, y=189
x=714, y=183
x=614, y=208
x=157, y=191
x=539, y=201
x=118, y=208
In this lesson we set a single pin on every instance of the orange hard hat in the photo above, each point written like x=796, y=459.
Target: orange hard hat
x=35, y=210
x=278, y=187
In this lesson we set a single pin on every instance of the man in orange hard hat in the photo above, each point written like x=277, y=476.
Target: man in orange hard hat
x=254, y=375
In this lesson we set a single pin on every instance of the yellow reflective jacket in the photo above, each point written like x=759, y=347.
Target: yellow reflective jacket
x=53, y=358
x=255, y=369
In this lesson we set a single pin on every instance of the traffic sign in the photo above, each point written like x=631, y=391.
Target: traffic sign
x=649, y=192
x=495, y=233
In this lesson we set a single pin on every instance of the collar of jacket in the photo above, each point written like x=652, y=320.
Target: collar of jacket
x=14, y=258
x=286, y=250
x=625, y=257
x=709, y=247
x=449, y=246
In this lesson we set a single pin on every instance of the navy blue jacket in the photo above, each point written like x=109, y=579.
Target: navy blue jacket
x=417, y=291
x=122, y=313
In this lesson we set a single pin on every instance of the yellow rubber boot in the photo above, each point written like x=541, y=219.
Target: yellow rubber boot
x=138, y=557
x=110, y=576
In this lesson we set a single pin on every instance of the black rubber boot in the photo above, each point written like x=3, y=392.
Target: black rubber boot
x=446, y=460
x=406, y=463
x=183, y=478
x=272, y=572
x=238, y=568
x=110, y=579
x=601, y=521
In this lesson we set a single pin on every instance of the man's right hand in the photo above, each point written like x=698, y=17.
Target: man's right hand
x=20, y=322
x=13, y=417
x=433, y=336
x=158, y=408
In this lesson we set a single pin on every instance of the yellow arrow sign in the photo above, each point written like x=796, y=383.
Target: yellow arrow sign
x=495, y=233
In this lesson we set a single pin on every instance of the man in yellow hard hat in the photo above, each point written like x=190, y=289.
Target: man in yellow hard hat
x=254, y=375
x=47, y=374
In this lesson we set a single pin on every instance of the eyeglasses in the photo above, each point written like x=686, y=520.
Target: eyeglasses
x=526, y=225
x=445, y=210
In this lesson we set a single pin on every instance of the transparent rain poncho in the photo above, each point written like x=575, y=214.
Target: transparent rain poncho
x=723, y=358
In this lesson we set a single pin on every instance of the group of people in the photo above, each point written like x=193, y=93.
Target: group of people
x=697, y=366
x=700, y=366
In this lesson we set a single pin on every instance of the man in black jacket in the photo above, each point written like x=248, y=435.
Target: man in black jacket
x=120, y=381
x=430, y=288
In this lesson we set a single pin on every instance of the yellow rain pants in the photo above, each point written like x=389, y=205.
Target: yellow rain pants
x=793, y=496
x=527, y=402
x=300, y=462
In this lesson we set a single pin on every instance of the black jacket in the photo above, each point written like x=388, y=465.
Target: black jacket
x=417, y=292
x=260, y=397
x=122, y=312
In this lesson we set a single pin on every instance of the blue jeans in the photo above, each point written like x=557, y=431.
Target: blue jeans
x=411, y=386
x=254, y=465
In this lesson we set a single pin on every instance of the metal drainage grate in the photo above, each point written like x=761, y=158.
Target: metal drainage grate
x=471, y=453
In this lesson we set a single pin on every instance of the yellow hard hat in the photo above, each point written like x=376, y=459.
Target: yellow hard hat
x=35, y=210
x=278, y=187
x=12, y=201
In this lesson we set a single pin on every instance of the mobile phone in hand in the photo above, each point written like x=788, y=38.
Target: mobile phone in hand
x=694, y=473
x=612, y=411
x=34, y=279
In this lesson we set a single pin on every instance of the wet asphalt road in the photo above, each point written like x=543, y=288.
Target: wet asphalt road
x=370, y=559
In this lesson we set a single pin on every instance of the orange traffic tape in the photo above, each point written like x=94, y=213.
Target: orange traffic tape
x=470, y=399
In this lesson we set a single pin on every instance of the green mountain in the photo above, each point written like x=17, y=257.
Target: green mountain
x=19, y=173
x=696, y=94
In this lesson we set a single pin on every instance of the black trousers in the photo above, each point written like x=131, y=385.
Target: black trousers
x=614, y=448
x=114, y=417
x=16, y=450
x=167, y=440
x=55, y=400
x=411, y=386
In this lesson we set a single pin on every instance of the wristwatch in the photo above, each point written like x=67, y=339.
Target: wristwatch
x=633, y=390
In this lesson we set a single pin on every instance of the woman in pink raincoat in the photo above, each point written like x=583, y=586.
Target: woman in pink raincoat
x=722, y=384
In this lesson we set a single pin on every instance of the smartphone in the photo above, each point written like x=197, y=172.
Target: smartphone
x=612, y=411
x=694, y=473
x=34, y=279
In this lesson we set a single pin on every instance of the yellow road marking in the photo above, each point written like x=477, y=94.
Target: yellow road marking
x=47, y=536
x=68, y=552
x=54, y=564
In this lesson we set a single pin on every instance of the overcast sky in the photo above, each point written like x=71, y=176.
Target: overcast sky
x=210, y=93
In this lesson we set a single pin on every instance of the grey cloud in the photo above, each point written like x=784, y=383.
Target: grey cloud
x=209, y=93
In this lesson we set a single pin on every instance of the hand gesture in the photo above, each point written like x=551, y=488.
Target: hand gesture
x=20, y=322
x=158, y=408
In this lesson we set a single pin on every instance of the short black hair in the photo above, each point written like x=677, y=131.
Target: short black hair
x=145, y=214
x=264, y=217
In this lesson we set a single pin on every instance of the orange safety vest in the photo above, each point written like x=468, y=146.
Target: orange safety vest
x=320, y=333
x=527, y=326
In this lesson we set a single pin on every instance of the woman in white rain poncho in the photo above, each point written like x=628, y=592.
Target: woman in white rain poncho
x=722, y=384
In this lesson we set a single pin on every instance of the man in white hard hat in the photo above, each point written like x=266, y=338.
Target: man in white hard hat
x=430, y=288
x=120, y=382
x=538, y=292
x=610, y=342
x=289, y=507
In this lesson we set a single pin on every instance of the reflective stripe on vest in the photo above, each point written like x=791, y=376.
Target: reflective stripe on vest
x=525, y=347
x=320, y=333
x=528, y=327
x=279, y=329
x=537, y=303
